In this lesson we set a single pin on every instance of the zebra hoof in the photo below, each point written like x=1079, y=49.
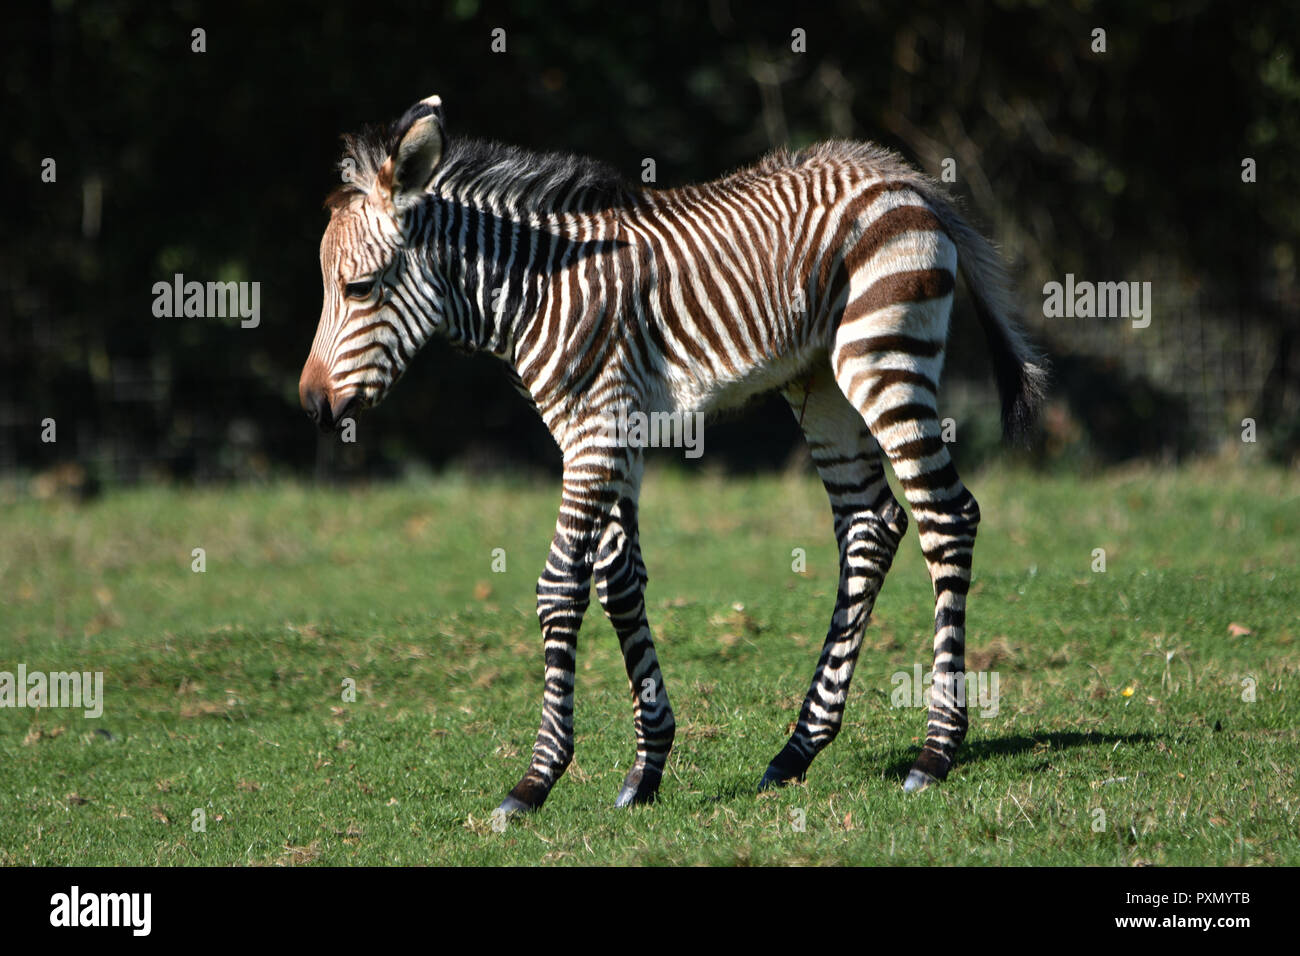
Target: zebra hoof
x=640, y=787
x=774, y=778
x=918, y=780
x=512, y=805
x=629, y=797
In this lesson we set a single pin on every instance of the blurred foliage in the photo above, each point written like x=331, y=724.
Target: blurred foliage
x=215, y=165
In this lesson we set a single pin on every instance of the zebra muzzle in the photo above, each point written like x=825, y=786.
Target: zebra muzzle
x=325, y=408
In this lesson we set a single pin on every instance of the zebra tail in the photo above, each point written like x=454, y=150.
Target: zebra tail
x=1022, y=372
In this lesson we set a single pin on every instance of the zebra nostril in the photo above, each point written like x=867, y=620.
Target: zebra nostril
x=317, y=406
x=313, y=393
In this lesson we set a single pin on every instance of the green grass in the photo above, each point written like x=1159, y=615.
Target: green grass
x=1121, y=692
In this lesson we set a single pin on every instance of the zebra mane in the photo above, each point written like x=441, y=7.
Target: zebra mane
x=363, y=154
x=491, y=175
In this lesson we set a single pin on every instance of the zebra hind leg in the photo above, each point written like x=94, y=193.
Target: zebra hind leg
x=620, y=587
x=892, y=380
x=869, y=524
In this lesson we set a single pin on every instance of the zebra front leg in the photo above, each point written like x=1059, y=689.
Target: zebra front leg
x=869, y=524
x=620, y=586
x=563, y=593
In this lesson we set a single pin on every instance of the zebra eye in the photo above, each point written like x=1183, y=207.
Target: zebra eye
x=359, y=290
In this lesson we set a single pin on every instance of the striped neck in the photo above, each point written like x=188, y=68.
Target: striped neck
x=510, y=272
x=507, y=222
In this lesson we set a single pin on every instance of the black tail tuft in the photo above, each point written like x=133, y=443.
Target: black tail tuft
x=1022, y=378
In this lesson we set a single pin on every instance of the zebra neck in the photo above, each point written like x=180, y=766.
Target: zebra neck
x=519, y=283
x=468, y=268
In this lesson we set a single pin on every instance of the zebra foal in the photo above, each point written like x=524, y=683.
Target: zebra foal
x=827, y=274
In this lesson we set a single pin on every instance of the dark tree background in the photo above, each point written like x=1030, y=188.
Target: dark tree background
x=1117, y=165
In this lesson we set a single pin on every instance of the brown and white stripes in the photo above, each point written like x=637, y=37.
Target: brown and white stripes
x=827, y=274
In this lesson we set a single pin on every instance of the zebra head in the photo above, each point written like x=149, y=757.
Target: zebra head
x=382, y=298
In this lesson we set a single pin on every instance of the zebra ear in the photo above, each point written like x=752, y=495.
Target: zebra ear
x=406, y=173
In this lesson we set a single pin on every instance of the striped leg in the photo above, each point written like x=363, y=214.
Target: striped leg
x=887, y=362
x=869, y=524
x=620, y=586
x=563, y=592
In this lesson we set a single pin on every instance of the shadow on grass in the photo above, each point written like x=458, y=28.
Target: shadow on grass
x=1010, y=746
x=739, y=788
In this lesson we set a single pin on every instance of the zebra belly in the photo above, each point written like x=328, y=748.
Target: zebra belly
x=722, y=394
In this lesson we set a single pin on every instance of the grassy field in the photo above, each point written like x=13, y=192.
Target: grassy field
x=1125, y=733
